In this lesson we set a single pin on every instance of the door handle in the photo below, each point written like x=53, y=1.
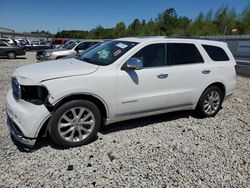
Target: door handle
x=206, y=71
x=162, y=76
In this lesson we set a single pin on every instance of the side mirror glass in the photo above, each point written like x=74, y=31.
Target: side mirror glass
x=133, y=64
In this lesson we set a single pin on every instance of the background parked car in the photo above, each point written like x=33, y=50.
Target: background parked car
x=40, y=53
x=7, y=40
x=10, y=51
x=20, y=42
x=77, y=56
x=70, y=49
x=38, y=45
x=56, y=43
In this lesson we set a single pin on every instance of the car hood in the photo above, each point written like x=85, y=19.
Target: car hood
x=38, y=72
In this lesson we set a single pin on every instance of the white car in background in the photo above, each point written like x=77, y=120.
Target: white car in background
x=122, y=79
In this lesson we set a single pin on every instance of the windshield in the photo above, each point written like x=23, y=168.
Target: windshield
x=107, y=53
x=70, y=46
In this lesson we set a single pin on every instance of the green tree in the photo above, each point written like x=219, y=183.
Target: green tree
x=244, y=24
x=225, y=20
x=203, y=25
x=120, y=30
x=182, y=27
x=167, y=22
x=150, y=28
x=41, y=32
x=135, y=28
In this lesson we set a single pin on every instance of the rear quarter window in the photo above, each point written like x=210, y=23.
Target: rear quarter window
x=216, y=53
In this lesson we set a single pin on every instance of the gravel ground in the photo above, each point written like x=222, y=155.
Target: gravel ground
x=168, y=150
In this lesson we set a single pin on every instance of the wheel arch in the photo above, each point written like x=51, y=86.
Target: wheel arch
x=98, y=101
x=220, y=85
x=102, y=106
x=7, y=52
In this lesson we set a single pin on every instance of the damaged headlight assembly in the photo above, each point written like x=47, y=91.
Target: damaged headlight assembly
x=33, y=94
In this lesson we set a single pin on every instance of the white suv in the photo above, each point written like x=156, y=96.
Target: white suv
x=121, y=79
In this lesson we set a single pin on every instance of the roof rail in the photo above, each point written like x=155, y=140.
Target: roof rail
x=150, y=36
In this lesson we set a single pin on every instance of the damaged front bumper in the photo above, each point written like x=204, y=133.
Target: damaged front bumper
x=25, y=119
x=15, y=132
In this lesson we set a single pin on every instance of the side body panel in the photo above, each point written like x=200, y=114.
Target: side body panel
x=100, y=84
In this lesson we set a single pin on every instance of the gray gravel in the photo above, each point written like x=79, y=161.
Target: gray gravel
x=170, y=150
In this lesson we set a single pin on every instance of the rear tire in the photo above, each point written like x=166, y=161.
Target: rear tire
x=11, y=55
x=210, y=102
x=75, y=123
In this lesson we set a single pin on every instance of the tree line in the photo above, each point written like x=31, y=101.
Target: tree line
x=224, y=21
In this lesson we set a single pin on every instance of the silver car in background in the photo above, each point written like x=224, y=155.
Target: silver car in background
x=70, y=49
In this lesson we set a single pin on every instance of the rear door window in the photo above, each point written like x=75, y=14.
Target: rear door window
x=216, y=53
x=183, y=53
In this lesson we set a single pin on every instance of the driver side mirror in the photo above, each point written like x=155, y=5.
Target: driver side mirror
x=133, y=64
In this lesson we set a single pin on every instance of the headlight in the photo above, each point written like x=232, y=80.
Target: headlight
x=16, y=89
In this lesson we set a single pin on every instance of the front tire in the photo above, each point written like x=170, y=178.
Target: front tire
x=210, y=102
x=75, y=123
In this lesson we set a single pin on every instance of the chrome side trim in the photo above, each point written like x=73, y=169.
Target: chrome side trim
x=144, y=114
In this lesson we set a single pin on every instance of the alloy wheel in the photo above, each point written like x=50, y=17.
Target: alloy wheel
x=76, y=124
x=211, y=102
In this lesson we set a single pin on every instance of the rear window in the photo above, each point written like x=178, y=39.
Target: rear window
x=216, y=53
